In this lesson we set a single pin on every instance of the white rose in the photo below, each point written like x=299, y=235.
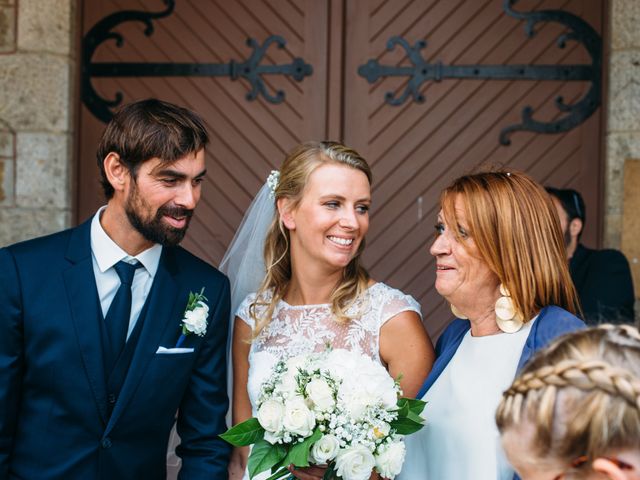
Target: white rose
x=196, y=320
x=272, y=438
x=271, y=415
x=356, y=400
x=342, y=363
x=298, y=419
x=321, y=394
x=355, y=463
x=389, y=461
x=382, y=430
x=324, y=450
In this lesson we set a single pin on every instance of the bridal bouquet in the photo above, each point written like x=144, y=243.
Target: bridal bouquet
x=334, y=408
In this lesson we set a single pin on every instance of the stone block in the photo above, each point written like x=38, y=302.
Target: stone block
x=7, y=29
x=7, y=182
x=45, y=25
x=35, y=92
x=7, y=2
x=625, y=16
x=7, y=144
x=624, y=91
x=42, y=170
x=620, y=147
x=17, y=224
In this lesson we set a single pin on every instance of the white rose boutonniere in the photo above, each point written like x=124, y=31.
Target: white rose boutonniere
x=195, y=316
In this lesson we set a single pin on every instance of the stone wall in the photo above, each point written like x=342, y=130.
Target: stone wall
x=37, y=65
x=623, y=129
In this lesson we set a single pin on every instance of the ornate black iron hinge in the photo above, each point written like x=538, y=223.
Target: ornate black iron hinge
x=251, y=69
x=574, y=114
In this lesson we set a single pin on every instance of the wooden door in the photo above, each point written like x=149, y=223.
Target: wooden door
x=415, y=148
x=248, y=138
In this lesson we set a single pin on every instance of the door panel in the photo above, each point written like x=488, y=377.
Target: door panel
x=415, y=149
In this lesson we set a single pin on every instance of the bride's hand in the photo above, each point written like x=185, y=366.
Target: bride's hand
x=238, y=462
x=316, y=473
x=308, y=473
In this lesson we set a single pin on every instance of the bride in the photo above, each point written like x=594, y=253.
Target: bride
x=315, y=292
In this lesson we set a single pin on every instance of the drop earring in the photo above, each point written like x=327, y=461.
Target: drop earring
x=507, y=318
x=457, y=313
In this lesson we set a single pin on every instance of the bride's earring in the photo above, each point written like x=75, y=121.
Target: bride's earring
x=508, y=320
x=457, y=313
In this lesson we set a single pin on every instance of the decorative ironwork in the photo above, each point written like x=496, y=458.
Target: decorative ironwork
x=574, y=114
x=251, y=69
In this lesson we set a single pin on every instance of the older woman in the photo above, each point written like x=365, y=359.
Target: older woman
x=500, y=263
x=574, y=413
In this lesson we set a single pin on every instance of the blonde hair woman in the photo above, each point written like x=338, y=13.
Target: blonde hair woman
x=316, y=292
x=500, y=263
x=574, y=412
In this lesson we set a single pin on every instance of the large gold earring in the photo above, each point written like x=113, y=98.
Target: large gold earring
x=457, y=313
x=507, y=318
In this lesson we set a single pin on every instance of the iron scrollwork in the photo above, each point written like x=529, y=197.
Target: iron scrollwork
x=251, y=69
x=573, y=114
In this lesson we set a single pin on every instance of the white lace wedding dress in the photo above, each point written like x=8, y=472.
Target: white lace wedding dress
x=295, y=330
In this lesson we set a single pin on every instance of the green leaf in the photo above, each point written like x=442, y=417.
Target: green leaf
x=299, y=453
x=406, y=426
x=330, y=474
x=415, y=405
x=279, y=474
x=244, y=433
x=263, y=456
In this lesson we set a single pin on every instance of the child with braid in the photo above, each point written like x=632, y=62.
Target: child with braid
x=574, y=411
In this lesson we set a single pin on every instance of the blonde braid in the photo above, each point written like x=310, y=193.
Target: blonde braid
x=581, y=395
x=585, y=375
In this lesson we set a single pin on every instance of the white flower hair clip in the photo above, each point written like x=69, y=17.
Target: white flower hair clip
x=272, y=181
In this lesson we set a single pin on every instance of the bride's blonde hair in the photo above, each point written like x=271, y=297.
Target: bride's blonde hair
x=581, y=395
x=294, y=175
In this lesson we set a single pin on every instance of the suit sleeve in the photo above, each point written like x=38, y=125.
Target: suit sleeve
x=204, y=406
x=11, y=356
x=614, y=296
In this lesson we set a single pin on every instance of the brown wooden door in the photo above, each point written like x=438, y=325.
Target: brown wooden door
x=415, y=149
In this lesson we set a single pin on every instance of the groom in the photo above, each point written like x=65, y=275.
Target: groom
x=90, y=320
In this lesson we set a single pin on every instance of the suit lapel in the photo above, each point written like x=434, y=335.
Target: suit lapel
x=162, y=308
x=83, y=301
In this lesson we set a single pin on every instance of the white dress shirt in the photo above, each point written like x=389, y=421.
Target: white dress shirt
x=106, y=253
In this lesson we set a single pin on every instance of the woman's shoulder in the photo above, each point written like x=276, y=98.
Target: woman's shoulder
x=260, y=301
x=391, y=301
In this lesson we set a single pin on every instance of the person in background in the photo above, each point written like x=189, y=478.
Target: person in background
x=500, y=264
x=574, y=412
x=602, y=277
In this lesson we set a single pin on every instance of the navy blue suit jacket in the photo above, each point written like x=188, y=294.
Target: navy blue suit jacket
x=54, y=403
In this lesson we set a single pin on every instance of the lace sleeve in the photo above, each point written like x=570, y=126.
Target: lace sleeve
x=394, y=302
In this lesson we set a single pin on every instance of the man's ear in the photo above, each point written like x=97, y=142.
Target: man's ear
x=575, y=227
x=285, y=210
x=117, y=173
x=608, y=469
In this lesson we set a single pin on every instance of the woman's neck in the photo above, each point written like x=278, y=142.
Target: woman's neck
x=484, y=323
x=311, y=287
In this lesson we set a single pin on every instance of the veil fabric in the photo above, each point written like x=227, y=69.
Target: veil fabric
x=243, y=263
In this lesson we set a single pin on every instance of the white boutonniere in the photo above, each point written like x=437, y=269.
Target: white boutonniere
x=195, y=316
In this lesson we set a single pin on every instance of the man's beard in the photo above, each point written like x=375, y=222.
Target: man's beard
x=155, y=230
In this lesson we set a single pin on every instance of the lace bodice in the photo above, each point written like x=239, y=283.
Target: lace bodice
x=295, y=330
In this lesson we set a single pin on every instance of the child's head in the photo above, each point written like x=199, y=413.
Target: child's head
x=574, y=411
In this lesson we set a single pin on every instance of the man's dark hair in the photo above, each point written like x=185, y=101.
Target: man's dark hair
x=571, y=202
x=149, y=129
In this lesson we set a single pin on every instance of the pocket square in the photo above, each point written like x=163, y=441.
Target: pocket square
x=173, y=351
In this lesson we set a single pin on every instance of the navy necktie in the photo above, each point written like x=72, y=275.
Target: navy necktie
x=117, y=319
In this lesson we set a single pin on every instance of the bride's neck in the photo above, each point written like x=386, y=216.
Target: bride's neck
x=311, y=288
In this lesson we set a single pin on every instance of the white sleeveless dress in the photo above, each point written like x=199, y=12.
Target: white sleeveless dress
x=296, y=330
